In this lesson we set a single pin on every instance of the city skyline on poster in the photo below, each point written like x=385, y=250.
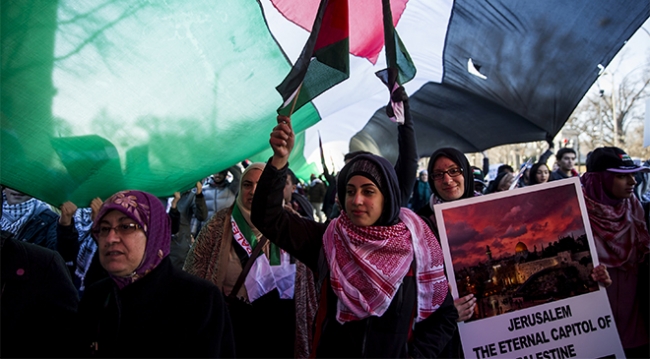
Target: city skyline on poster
x=520, y=251
x=527, y=255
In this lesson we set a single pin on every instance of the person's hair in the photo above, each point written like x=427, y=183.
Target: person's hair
x=563, y=151
x=493, y=187
x=504, y=168
x=294, y=179
x=461, y=161
x=532, y=178
x=350, y=155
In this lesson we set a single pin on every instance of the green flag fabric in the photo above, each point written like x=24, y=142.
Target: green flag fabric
x=154, y=96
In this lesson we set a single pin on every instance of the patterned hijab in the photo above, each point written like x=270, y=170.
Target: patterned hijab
x=147, y=211
x=619, y=228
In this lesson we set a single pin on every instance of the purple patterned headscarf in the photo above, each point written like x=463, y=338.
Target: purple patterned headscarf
x=147, y=211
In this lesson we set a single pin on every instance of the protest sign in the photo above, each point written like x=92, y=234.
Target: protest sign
x=527, y=255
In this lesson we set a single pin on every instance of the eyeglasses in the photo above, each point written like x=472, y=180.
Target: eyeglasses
x=452, y=172
x=121, y=230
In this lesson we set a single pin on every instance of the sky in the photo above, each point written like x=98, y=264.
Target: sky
x=534, y=218
x=636, y=51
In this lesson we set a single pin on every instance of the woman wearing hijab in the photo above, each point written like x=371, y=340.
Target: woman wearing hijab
x=451, y=178
x=539, y=173
x=622, y=242
x=265, y=302
x=148, y=308
x=370, y=261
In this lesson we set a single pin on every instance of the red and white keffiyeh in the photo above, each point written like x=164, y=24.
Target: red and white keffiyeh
x=367, y=265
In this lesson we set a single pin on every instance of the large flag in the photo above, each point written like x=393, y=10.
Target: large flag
x=504, y=72
x=97, y=98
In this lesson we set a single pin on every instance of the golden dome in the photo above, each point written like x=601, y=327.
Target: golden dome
x=521, y=247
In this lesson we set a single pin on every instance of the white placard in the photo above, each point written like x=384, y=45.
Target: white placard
x=527, y=255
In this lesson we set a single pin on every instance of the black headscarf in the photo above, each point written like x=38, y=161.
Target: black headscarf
x=461, y=161
x=382, y=174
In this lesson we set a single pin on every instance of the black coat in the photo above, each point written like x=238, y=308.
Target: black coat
x=39, y=302
x=385, y=336
x=43, y=229
x=40, y=228
x=167, y=313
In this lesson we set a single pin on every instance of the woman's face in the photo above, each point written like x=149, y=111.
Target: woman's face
x=364, y=201
x=448, y=188
x=120, y=253
x=248, y=186
x=542, y=174
x=623, y=185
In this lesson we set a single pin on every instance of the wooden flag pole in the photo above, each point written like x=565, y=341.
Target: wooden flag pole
x=295, y=99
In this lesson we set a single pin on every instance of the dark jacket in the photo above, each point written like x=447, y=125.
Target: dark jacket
x=39, y=301
x=421, y=194
x=317, y=192
x=43, y=229
x=558, y=175
x=40, y=228
x=167, y=313
x=304, y=207
x=189, y=206
x=385, y=336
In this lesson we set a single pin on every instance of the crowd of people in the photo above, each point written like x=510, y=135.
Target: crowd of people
x=251, y=262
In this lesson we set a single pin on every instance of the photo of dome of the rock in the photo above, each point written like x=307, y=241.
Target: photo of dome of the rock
x=520, y=251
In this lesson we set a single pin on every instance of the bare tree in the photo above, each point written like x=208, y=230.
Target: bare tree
x=613, y=116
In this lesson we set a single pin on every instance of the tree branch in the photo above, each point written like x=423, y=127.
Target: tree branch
x=124, y=15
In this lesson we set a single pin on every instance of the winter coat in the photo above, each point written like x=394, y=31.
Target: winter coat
x=285, y=322
x=166, y=313
x=189, y=206
x=421, y=194
x=43, y=229
x=385, y=336
x=317, y=191
x=39, y=301
x=220, y=196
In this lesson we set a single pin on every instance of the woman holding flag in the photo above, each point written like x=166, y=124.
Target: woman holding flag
x=383, y=292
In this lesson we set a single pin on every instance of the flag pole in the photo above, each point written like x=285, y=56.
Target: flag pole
x=295, y=99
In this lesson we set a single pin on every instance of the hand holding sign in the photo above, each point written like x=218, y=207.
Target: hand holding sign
x=601, y=275
x=465, y=307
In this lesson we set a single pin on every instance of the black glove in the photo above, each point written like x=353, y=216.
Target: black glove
x=399, y=95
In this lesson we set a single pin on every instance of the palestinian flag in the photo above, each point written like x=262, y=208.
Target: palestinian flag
x=157, y=95
x=324, y=61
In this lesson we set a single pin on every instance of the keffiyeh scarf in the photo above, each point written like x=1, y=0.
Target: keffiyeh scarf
x=14, y=216
x=368, y=264
x=87, y=246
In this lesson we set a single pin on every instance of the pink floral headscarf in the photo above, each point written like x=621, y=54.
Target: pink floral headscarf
x=147, y=211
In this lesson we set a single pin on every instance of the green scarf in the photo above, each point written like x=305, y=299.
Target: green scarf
x=247, y=231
